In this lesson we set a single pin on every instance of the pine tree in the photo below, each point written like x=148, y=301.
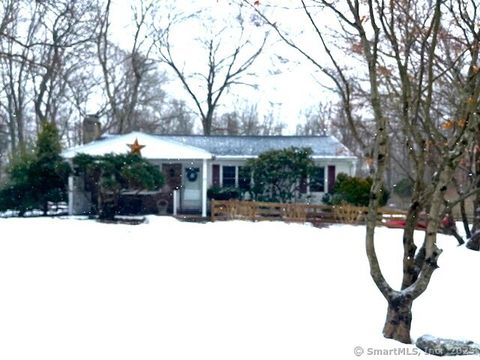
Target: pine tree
x=49, y=171
x=37, y=178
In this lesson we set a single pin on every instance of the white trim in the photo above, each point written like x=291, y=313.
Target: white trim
x=317, y=157
x=175, y=202
x=234, y=157
x=204, y=188
x=70, y=195
x=340, y=157
x=325, y=178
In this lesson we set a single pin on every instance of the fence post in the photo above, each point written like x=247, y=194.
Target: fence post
x=212, y=209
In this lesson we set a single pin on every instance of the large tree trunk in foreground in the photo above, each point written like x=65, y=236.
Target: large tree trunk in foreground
x=474, y=242
x=399, y=320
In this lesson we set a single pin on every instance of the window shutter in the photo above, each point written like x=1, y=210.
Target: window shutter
x=216, y=175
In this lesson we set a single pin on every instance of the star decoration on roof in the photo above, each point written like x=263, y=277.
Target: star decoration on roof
x=136, y=148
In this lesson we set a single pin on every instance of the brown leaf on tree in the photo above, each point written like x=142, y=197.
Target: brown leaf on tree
x=369, y=160
x=471, y=100
x=256, y=3
x=357, y=48
x=448, y=124
x=383, y=70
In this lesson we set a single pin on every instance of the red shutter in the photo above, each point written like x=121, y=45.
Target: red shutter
x=331, y=177
x=216, y=175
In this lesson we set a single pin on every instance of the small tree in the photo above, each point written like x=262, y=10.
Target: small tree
x=279, y=174
x=38, y=178
x=110, y=175
x=49, y=171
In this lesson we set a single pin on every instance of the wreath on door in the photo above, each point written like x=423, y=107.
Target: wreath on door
x=192, y=174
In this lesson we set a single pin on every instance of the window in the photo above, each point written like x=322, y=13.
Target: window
x=317, y=180
x=228, y=177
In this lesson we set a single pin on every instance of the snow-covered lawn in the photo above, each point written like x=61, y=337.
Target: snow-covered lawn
x=78, y=289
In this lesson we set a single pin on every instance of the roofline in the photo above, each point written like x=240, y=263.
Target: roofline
x=245, y=136
x=71, y=152
x=315, y=157
x=337, y=157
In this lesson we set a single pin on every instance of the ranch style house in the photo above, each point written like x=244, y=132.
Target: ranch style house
x=192, y=164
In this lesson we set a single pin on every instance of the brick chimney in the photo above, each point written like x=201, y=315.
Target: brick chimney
x=91, y=128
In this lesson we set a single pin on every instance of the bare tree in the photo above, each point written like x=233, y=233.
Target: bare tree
x=17, y=48
x=124, y=71
x=41, y=48
x=226, y=54
x=66, y=28
x=397, y=45
x=318, y=120
x=245, y=121
x=177, y=119
x=271, y=126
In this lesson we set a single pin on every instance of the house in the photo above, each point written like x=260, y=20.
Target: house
x=192, y=164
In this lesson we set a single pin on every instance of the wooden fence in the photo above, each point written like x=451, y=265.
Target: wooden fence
x=316, y=214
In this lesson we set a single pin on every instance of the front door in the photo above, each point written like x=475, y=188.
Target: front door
x=173, y=179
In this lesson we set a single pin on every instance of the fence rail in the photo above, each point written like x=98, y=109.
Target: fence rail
x=316, y=214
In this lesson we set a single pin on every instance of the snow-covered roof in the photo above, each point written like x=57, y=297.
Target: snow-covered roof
x=250, y=146
x=205, y=147
x=154, y=147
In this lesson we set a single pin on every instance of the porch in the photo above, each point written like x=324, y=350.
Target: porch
x=184, y=192
x=184, y=168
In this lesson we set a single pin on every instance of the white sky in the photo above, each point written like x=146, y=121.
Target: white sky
x=286, y=94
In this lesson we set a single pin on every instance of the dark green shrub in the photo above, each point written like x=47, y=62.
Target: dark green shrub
x=224, y=193
x=403, y=188
x=278, y=174
x=354, y=190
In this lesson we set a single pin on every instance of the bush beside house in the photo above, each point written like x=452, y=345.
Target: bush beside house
x=354, y=191
x=224, y=193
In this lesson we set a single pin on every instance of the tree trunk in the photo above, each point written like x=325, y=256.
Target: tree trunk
x=476, y=209
x=463, y=213
x=410, y=268
x=476, y=200
x=399, y=319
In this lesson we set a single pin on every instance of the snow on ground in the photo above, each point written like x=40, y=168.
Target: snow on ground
x=78, y=289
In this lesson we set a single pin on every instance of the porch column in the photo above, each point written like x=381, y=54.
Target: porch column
x=204, y=188
x=70, y=195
